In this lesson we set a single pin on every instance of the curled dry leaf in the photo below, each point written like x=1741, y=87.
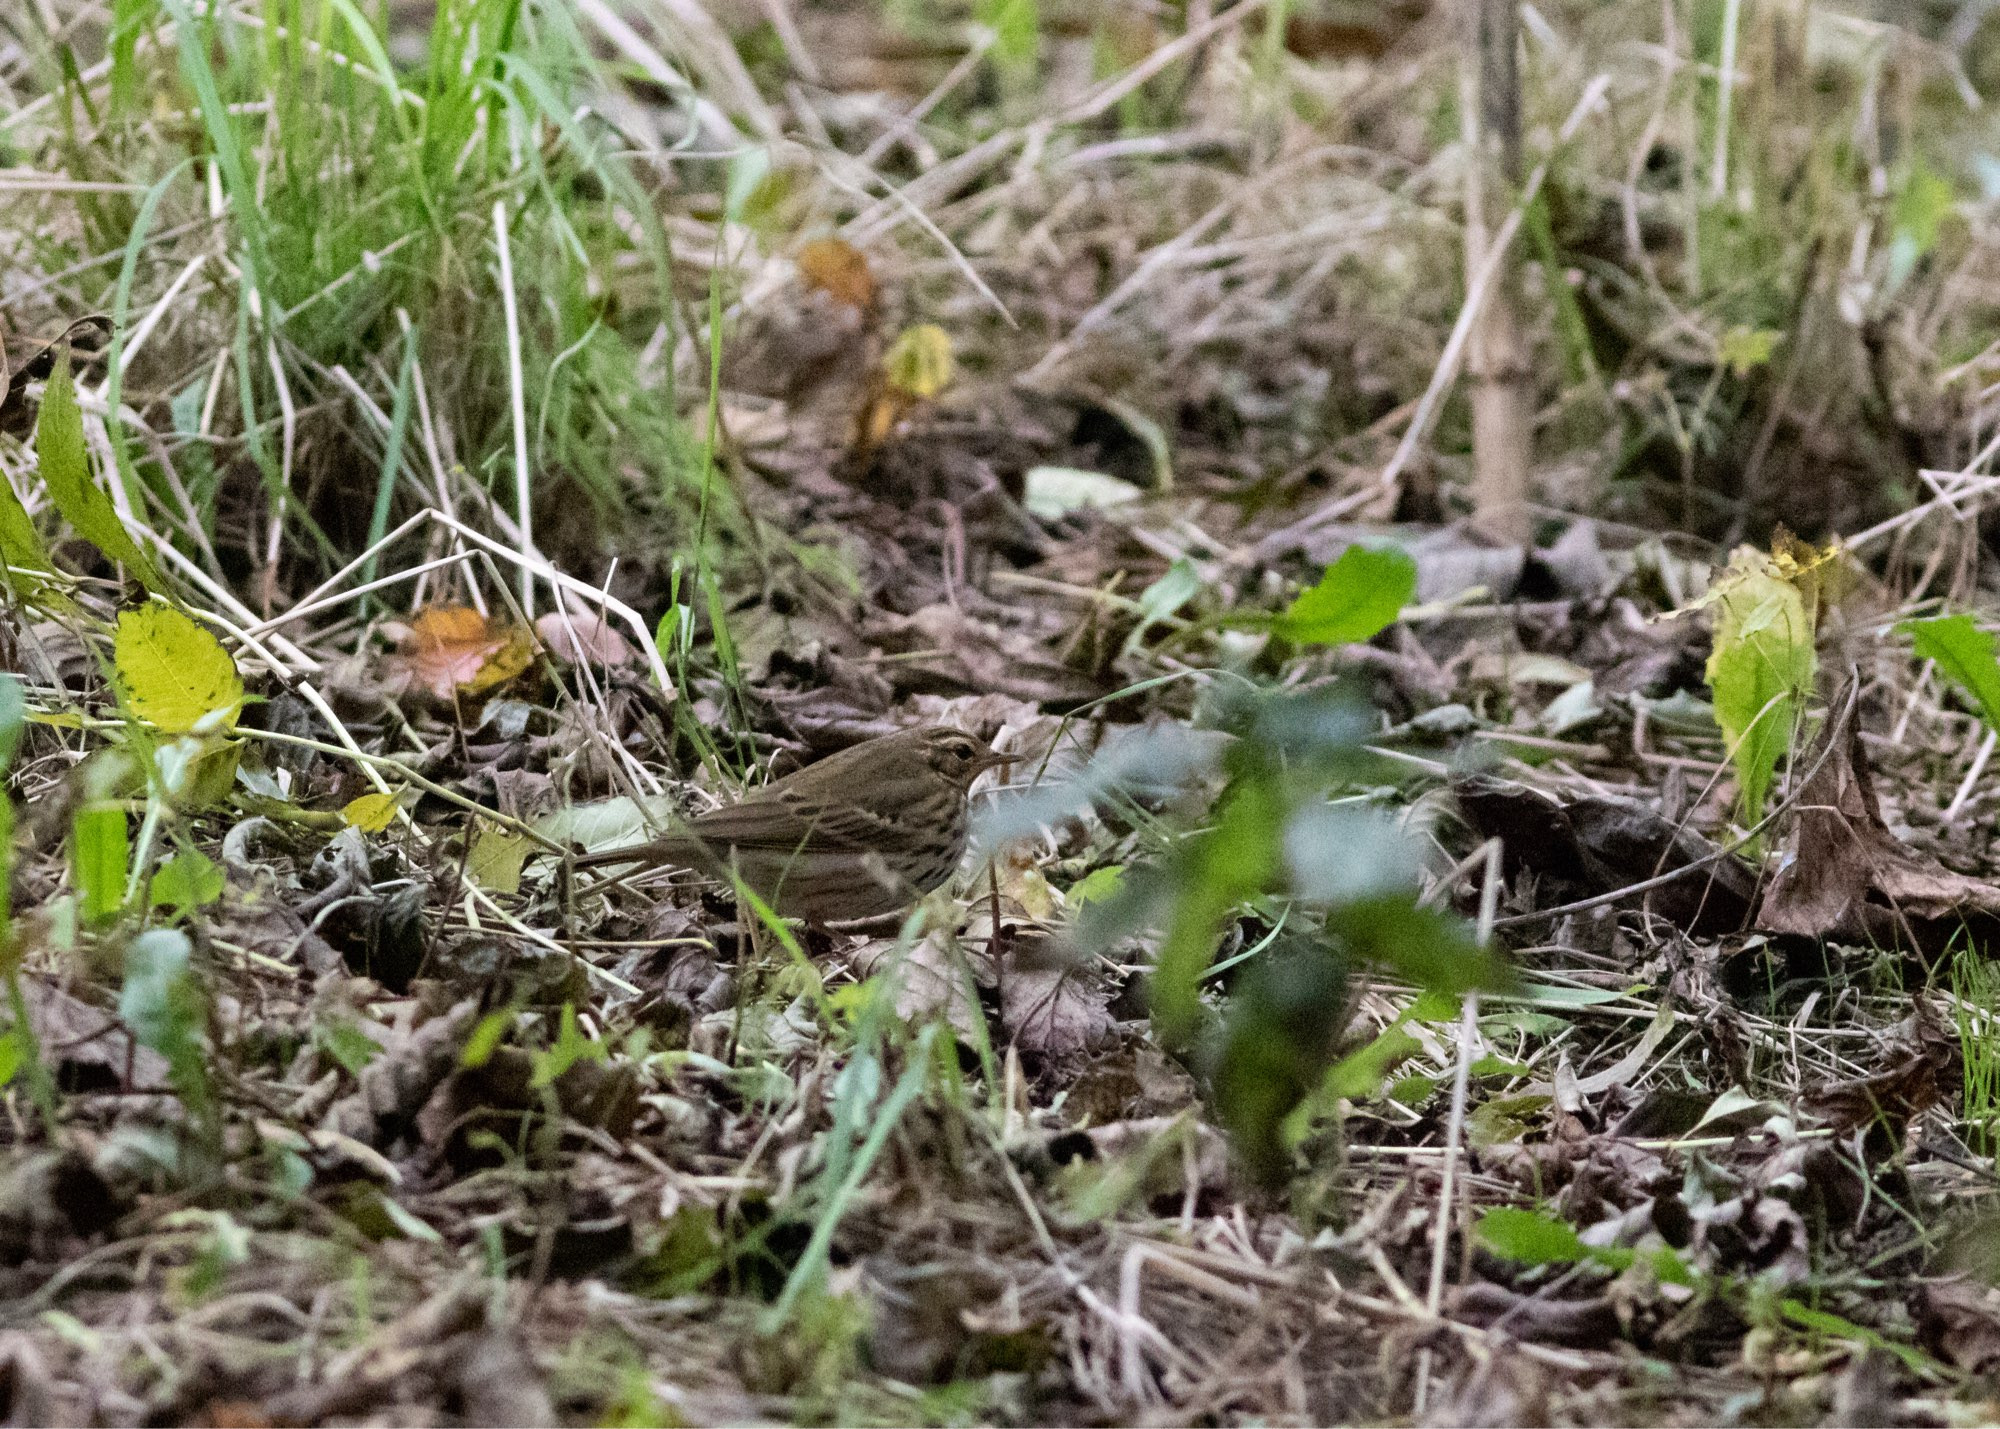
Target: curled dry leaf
x=1845, y=876
x=395, y=1086
x=451, y=650
x=582, y=637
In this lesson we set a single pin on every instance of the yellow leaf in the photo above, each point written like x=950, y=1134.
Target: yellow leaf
x=919, y=362
x=174, y=674
x=371, y=813
x=495, y=860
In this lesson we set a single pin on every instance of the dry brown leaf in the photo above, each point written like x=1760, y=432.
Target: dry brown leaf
x=393, y=1087
x=88, y=1047
x=452, y=650
x=933, y=978
x=840, y=270
x=1959, y=1320
x=1844, y=875
x=951, y=650
x=1054, y=1011
x=581, y=637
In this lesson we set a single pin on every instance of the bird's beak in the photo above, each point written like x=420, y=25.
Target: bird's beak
x=993, y=759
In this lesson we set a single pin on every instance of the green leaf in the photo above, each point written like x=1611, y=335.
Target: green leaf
x=1210, y=874
x=1505, y=1119
x=66, y=471
x=1284, y=1020
x=344, y=1040
x=1432, y=948
x=1744, y=349
x=1964, y=653
x=1529, y=1237
x=1922, y=207
x=13, y=718
x=20, y=543
x=1825, y=1322
x=99, y=856
x=1761, y=669
x=163, y=1005
x=1097, y=885
x=13, y=1055
x=188, y=880
x=496, y=859
x=485, y=1039
x=571, y=1047
x=1359, y=1074
x=1356, y=599
x=174, y=673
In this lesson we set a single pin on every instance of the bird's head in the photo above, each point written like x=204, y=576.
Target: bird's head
x=958, y=756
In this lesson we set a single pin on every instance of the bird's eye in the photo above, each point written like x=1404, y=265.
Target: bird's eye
x=961, y=750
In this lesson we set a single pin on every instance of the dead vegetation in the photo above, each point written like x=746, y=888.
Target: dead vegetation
x=1410, y=976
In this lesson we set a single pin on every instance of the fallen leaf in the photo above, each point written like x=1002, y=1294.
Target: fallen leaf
x=1843, y=875
x=931, y=978
x=371, y=813
x=89, y=1047
x=1053, y=492
x=839, y=269
x=175, y=675
x=1959, y=1318
x=453, y=650
x=582, y=637
x=1054, y=1012
x=949, y=649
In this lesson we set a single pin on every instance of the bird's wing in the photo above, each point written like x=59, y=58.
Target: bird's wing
x=783, y=821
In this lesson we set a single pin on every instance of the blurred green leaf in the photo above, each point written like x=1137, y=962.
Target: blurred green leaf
x=99, y=858
x=13, y=718
x=1964, y=653
x=1529, y=1237
x=163, y=1004
x=1744, y=349
x=1922, y=206
x=1284, y=1019
x=65, y=471
x=1096, y=886
x=1357, y=598
x=1505, y=1119
x=1213, y=872
x=1359, y=1074
x=1429, y=947
x=186, y=881
x=485, y=1039
x=1339, y=852
x=569, y=1048
x=344, y=1040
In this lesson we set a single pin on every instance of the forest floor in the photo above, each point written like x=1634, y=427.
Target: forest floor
x=332, y=1094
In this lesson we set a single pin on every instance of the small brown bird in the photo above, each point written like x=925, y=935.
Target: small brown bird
x=861, y=833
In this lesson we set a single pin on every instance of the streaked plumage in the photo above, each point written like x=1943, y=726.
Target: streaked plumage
x=861, y=833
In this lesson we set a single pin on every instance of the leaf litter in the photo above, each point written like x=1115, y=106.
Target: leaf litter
x=397, y=1120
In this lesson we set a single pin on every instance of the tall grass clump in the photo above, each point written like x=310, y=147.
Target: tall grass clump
x=317, y=219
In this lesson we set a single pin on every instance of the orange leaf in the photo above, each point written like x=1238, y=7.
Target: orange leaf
x=454, y=650
x=839, y=269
